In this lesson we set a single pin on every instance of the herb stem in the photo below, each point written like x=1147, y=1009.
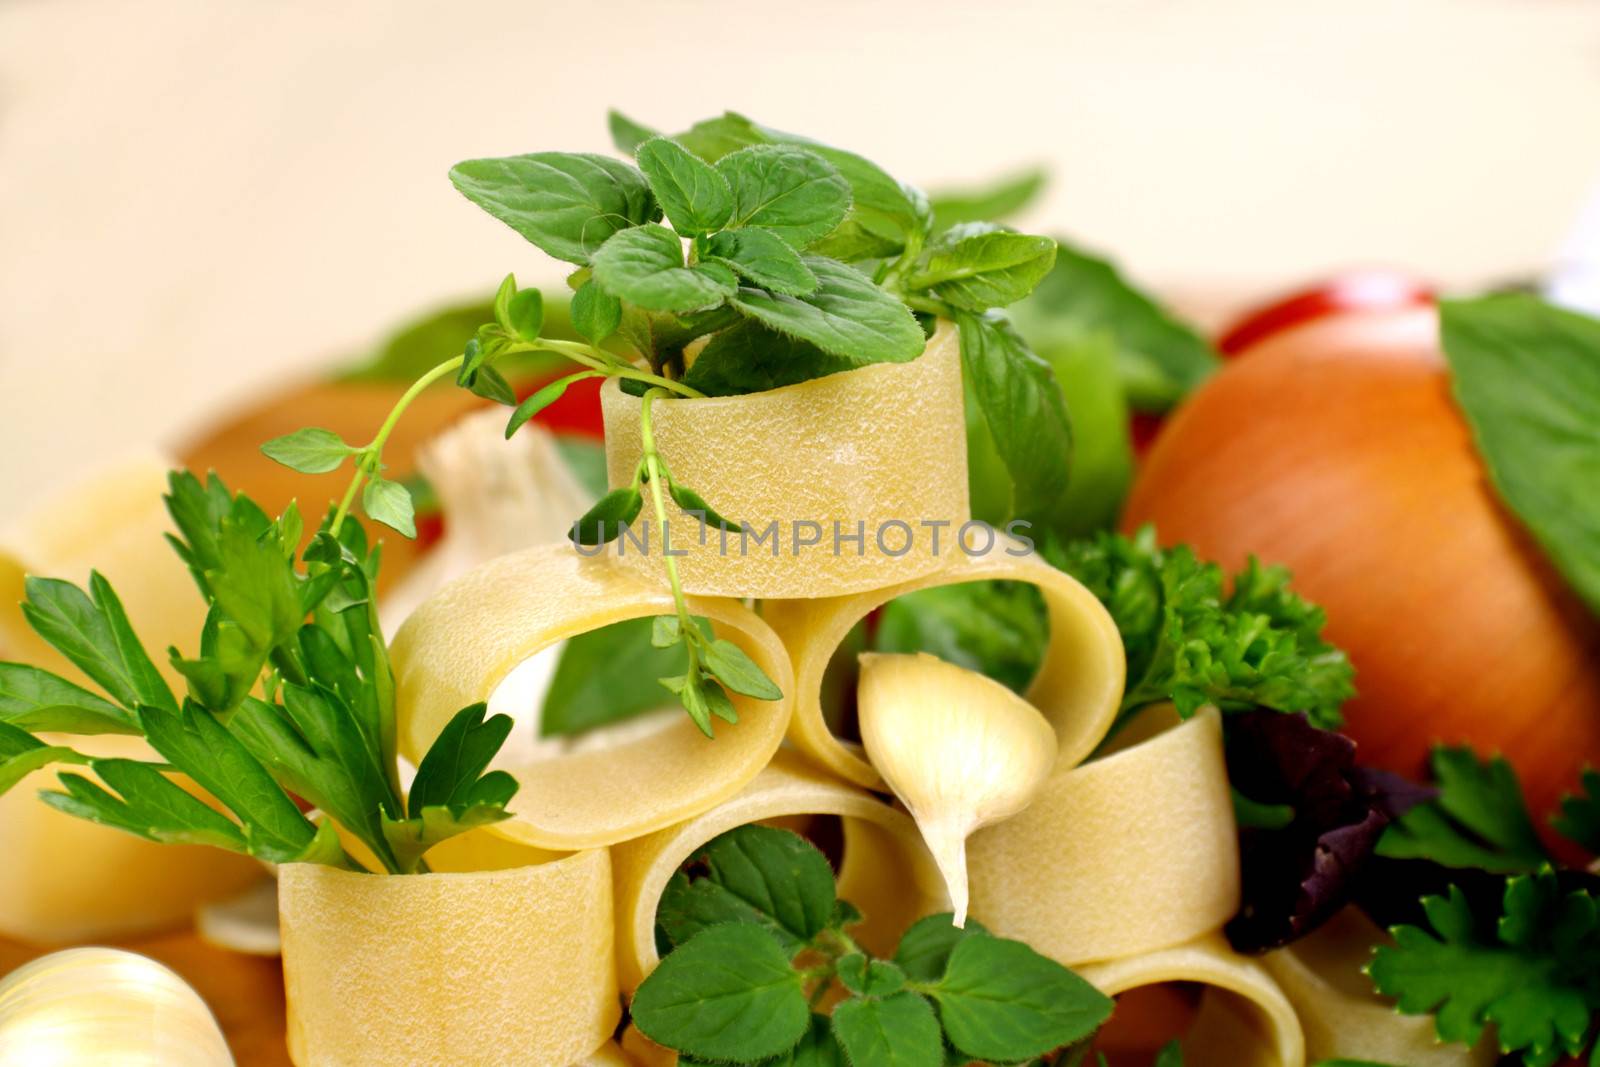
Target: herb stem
x=653, y=467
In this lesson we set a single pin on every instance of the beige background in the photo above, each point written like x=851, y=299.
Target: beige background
x=198, y=199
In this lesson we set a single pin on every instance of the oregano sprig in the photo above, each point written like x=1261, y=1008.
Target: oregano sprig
x=758, y=939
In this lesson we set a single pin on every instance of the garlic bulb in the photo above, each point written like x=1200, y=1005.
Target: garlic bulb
x=103, y=1005
x=959, y=749
x=497, y=496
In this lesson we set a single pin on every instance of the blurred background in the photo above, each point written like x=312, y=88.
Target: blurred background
x=200, y=200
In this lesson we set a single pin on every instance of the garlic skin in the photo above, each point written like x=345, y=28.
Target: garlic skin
x=959, y=749
x=103, y=1005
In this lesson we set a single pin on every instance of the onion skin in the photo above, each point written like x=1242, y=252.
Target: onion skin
x=1335, y=448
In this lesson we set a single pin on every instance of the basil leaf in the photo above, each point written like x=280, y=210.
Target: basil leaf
x=309, y=451
x=897, y=1031
x=750, y=358
x=1000, y=1000
x=566, y=203
x=1102, y=452
x=1004, y=198
x=926, y=946
x=1159, y=359
x=995, y=628
x=847, y=316
x=978, y=265
x=1025, y=411
x=791, y=191
x=726, y=994
x=1527, y=376
x=764, y=259
x=596, y=314
x=693, y=193
x=604, y=521
x=605, y=676
x=35, y=699
x=644, y=266
x=627, y=134
x=390, y=503
x=728, y=662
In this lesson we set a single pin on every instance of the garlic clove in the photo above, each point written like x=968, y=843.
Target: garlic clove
x=959, y=749
x=103, y=1005
x=246, y=923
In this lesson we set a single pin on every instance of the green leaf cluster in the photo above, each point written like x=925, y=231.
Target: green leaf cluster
x=1194, y=638
x=1532, y=971
x=290, y=695
x=754, y=937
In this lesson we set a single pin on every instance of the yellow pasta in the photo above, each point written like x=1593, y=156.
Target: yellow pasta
x=504, y=967
x=1343, y=1018
x=879, y=445
x=887, y=872
x=1244, y=1020
x=463, y=641
x=1134, y=851
x=1077, y=687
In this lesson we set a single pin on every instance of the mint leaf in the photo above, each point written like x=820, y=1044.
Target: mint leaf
x=309, y=451
x=543, y=398
x=926, y=946
x=1005, y=197
x=21, y=754
x=728, y=662
x=726, y=994
x=91, y=630
x=1159, y=358
x=1580, y=814
x=694, y=195
x=847, y=316
x=1527, y=376
x=788, y=190
x=896, y=1031
x=750, y=358
x=627, y=134
x=689, y=906
x=978, y=265
x=764, y=259
x=604, y=521
x=1025, y=411
x=1000, y=1000
x=868, y=977
x=778, y=873
x=644, y=266
x=596, y=314
x=566, y=203
x=35, y=699
x=1528, y=972
x=390, y=503
x=1478, y=820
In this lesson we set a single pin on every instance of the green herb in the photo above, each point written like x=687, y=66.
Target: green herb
x=1258, y=645
x=1159, y=359
x=997, y=628
x=754, y=936
x=304, y=635
x=606, y=676
x=1529, y=971
x=1478, y=820
x=1579, y=819
x=1001, y=200
x=1527, y=375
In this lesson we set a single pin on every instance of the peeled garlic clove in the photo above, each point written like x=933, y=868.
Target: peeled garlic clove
x=959, y=749
x=247, y=922
x=103, y=1005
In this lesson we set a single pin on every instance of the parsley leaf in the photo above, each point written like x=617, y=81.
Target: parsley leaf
x=21, y=754
x=1187, y=642
x=91, y=630
x=35, y=699
x=451, y=792
x=1580, y=814
x=1478, y=820
x=1531, y=971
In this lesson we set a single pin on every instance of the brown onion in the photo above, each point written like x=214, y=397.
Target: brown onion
x=1337, y=450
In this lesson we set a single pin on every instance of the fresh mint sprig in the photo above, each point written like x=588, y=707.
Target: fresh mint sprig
x=758, y=939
